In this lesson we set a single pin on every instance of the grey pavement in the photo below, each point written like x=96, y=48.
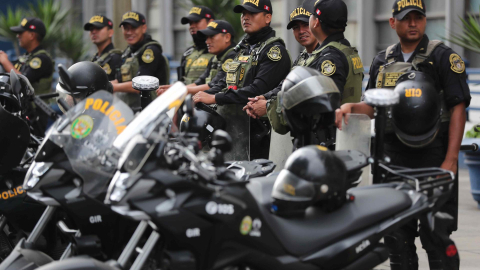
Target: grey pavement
x=467, y=238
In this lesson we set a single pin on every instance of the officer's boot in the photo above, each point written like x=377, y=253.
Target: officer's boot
x=403, y=255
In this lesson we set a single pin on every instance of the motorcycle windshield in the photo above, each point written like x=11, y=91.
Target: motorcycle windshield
x=86, y=134
x=168, y=103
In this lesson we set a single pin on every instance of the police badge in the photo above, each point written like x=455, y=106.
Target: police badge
x=458, y=66
x=148, y=56
x=328, y=68
x=275, y=54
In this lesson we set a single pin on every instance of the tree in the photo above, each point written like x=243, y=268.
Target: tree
x=12, y=18
x=469, y=38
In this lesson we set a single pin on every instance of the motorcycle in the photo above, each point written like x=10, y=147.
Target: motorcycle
x=198, y=215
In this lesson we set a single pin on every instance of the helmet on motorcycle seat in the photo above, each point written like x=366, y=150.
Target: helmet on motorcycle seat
x=14, y=100
x=416, y=118
x=313, y=176
x=204, y=121
x=8, y=100
x=307, y=94
x=81, y=80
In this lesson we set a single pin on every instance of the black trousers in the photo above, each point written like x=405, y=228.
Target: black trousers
x=440, y=248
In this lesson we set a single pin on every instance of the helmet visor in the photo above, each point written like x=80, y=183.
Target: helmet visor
x=289, y=187
x=70, y=98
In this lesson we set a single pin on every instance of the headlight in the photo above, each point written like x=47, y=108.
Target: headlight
x=118, y=187
x=34, y=173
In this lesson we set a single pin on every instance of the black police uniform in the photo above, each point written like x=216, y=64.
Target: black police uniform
x=37, y=68
x=111, y=63
x=452, y=79
x=222, y=73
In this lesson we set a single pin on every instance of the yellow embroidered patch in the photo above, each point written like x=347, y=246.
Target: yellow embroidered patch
x=148, y=56
x=36, y=63
x=322, y=148
x=24, y=21
x=107, y=69
x=275, y=54
x=242, y=74
x=458, y=66
x=328, y=68
x=225, y=64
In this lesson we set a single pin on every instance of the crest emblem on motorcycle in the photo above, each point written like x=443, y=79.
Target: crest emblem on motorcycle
x=82, y=126
x=246, y=225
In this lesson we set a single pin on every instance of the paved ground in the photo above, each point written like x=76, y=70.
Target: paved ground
x=467, y=238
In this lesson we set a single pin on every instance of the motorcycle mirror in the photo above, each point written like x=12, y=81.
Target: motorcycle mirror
x=66, y=78
x=15, y=83
x=222, y=141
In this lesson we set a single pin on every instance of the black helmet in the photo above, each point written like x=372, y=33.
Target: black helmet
x=15, y=91
x=312, y=176
x=81, y=80
x=204, y=121
x=309, y=98
x=416, y=118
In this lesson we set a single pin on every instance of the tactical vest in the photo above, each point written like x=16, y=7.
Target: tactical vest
x=217, y=65
x=196, y=64
x=104, y=58
x=389, y=73
x=352, y=91
x=130, y=69
x=239, y=67
x=44, y=85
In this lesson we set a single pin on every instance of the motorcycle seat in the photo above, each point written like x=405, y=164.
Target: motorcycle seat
x=301, y=235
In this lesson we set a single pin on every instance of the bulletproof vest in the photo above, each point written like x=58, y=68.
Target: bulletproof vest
x=389, y=73
x=352, y=91
x=196, y=64
x=129, y=70
x=217, y=65
x=238, y=68
x=44, y=85
x=104, y=58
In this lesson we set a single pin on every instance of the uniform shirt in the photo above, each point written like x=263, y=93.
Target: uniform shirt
x=111, y=63
x=221, y=73
x=266, y=75
x=156, y=67
x=41, y=66
x=447, y=76
x=199, y=44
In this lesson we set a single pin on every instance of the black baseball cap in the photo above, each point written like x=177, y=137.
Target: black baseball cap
x=197, y=13
x=402, y=8
x=30, y=24
x=217, y=27
x=333, y=13
x=98, y=21
x=133, y=18
x=300, y=14
x=255, y=6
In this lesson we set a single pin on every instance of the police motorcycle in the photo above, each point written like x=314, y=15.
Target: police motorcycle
x=18, y=215
x=199, y=216
x=70, y=199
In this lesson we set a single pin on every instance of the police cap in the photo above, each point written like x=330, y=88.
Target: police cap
x=133, y=18
x=98, y=21
x=333, y=13
x=197, y=13
x=255, y=6
x=299, y=14
x=30, y=24
x=217, y=27
x=403, y=7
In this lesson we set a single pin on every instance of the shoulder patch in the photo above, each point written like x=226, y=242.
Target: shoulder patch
x=226, y=64
x=458, y=66
x=107, y=69
x=36, y=63
x=328, y=68
x=275, y=54
x=148, y=56
x=188, y=51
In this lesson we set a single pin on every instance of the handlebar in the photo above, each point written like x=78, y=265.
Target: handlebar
x=47, y=96
x=45, y=107
x=469, y=147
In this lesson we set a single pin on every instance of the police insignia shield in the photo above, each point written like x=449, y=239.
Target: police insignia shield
x=148, y=56
x=36, y=63
x=328, y=68
x=225, y=65
x=275, y=54
x=107, y=69
x=458, y=66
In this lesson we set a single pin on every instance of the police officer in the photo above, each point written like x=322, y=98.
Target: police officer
x=36, y=64
x=143, y=56
x=219, y=37
x=333, y=56
x=196, y=58
x=416, y=52
x=262, y=61
x=101, y=32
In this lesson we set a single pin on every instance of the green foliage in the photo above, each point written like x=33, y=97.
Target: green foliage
x=59, y=35
x=223, y=10
x=469, y=38
x=474, y=132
